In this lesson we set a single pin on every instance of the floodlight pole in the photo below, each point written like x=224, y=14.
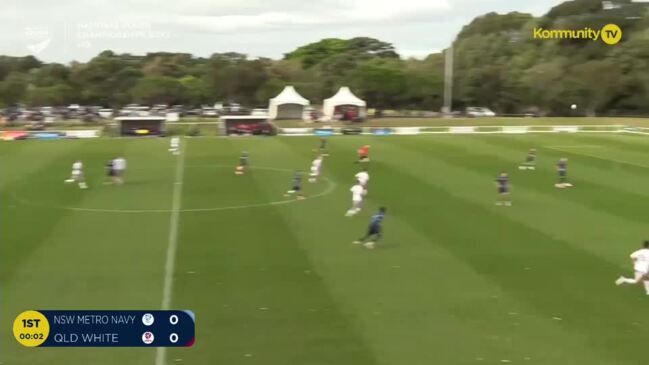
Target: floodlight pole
x=448, y=81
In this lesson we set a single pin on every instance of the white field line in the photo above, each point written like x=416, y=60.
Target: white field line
x=636, y=132
x=172, y=246
x=572, y=151
x=331, y=186
x=578, y=146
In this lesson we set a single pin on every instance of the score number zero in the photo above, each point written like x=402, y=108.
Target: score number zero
x=173, y=319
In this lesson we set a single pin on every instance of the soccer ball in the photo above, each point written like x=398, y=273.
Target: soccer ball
x=573, y=106
x=369, y=245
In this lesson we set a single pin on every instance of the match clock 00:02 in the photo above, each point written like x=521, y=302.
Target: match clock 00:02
x=31, y=328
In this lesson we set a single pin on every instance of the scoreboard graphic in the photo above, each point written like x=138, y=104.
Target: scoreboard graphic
x=45, y=328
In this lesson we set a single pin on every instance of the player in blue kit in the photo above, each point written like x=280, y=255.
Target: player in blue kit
x=296, y=186
x=110, y=171
x=374, y=231
x=502, y=184
x=530, y=161
x=243, y=163
x=562, y=170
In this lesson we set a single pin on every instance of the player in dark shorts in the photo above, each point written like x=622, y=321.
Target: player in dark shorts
x=562, y=171
x=323, y=147
x=110, y=171
x=502, y=184
x=530, y=161
x=374, y=231
x=243, y=163
x=296, y=186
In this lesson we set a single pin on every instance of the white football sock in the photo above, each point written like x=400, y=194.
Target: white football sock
x=628, y=281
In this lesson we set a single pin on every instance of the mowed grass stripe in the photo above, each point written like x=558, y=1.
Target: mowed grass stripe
x=20, y=240
x=15, y=213
x=624, y=195
x=27, y=157
x=603, y=162
x=417, y=299
x=600, y=237
x=596, y=187
x=621, y=141
x=82, y=261
x=149, y=176
x=400, y=295
x=497, y=247
x=509, y=320
x=629, y=150
x=600, y=182
x=537, y=205
x=380, y=152
x=300, y=153
x=597, y=238
x=511, y=152
x=260, y=295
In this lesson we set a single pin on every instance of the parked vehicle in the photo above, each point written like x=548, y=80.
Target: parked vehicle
x=106, y=112
x=476, y=112
x=209, y=112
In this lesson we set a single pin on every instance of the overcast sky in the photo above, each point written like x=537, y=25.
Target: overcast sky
x=68, y=30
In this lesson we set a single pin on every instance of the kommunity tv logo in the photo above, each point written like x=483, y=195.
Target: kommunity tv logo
x=609, y=34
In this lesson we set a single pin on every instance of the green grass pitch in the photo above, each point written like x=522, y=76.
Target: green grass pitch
x=456, y=280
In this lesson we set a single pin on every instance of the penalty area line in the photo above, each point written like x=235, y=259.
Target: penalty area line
x=172, y=244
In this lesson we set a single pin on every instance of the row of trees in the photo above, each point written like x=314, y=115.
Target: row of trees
x=500, y=64
x=370, y=66
x=497, y=64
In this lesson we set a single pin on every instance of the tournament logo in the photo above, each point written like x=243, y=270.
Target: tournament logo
x=38, y=39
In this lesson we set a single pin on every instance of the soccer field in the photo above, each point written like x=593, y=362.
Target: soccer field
x=274, y=281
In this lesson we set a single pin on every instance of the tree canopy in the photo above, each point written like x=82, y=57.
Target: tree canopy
x=498, y=64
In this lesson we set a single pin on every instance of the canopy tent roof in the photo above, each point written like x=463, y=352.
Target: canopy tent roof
x=344, y=96
x=288, y=96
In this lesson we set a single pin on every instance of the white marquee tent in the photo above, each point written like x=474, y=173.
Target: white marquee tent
x=344, y=96
x=287, y=105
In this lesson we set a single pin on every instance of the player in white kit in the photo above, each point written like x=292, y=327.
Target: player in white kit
x=119, y=167
x=315, y=169
x=640, y=260
x=357, y=199
x=77, y=175
x=174, y=145
x=363, y=178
